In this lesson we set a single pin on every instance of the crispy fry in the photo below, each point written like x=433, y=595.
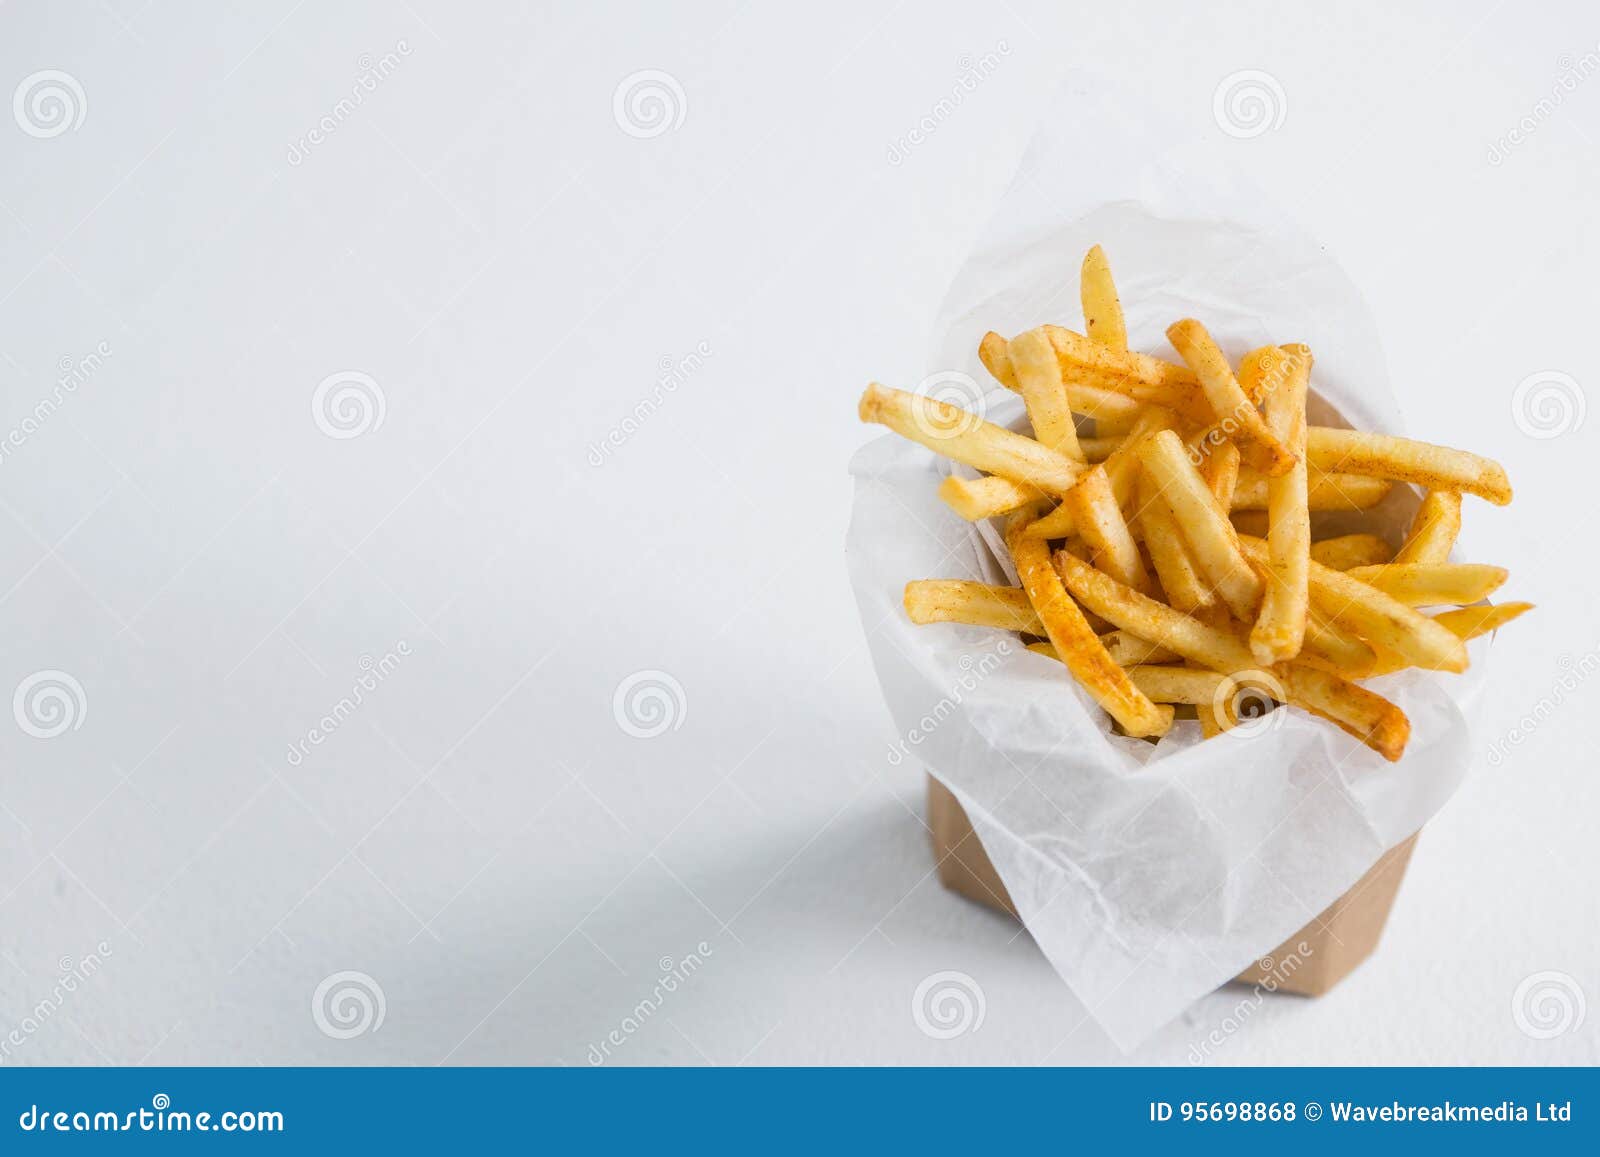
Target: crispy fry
x=1351, y=550
x=1403, y=460
x=1210, y=725
x=1323, y=491
x=1434, y=529
x=1212, y=647
x=1085, y=394
x=1178, y=684
x=1364, y=714
x=1466, y=623
x=1261, y=371
x=962, y=435
x=1102, y=312
x=1280, y=627
x=1134, y=375
x=1099, y=520
x=1422, y=584
x=1382, y=621
x=1095, y=670
x=1228, y=401
x=1102, y=445
x=978, y=498
x=1205, y=527
x=1221, y=472
x=1130, y=650
x=1331, y=646
x=1122, y=471
x=1180, y=578
x=973, y=603
x=1038, y=374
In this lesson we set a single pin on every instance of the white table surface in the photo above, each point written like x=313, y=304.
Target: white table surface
x=510, y=269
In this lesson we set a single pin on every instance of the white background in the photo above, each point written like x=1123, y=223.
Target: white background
x=483, y=239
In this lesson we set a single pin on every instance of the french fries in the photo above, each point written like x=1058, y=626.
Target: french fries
x=1434, y=529
x=1281, y=626
x=1181, y=529
x=1351, y=550
x=1234, y=411
x=962, y=435
x=1421, y=584
x=1078, y=646
x=1102, y=311
x=1402, y=460
x=1206, y=530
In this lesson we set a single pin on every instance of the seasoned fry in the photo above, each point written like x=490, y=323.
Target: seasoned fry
x=1130, y=650
x=1102, y=311
x=1422, y=584
x=1097, y=401
x=1221, y=473
x=1178, y=684
x=1205, y=527
x=1403, y=460
x=1280, y=627
x=1261, y=371
x=978, y=498
x=1180, y=578
x=1140, y=615
x=1364, y=714
x=1102, y=445
x=1038, y=374
x=1323, y=491
x=1122, y=471
x=1382, y=621
x=1234, y=411
x=973, y=603
x=962, y=435
x=1099, y=520
x=1139, y=376
x=1351, y=550
x=1466, y=623
x=1329, y=645
x=1077, y=645
x=1434, y=529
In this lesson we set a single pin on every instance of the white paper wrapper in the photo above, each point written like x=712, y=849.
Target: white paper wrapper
x=1148, y=874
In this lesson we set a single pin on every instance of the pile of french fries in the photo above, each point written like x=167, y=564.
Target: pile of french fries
x=1159, y=520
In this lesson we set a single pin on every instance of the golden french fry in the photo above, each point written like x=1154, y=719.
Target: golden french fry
x=1078, y=646
x=1203, y=523
x=1260, y=371
x=1233, y=410
x=1280, y=626
x=1038, y=373
x=1323, y=491
x=962, y=435
x=1097, y=401
x=1351, y=550
x=1210, y=725
x=1381, y=620
x=1329, y=645
x=1180, y=578
x=1434, y=529
x=1102, y=445
x=1423, y=584
x=1221, y=472
x=1127, y=650
x=1466, y=623
x=1102, y=311
x=1178, y=684
x=1122, y=471
x=1403, y=460
x=978, y=498
x=1210, y=646
x=1134, y=375
x=973, y=603
x=1364, y=714
x=1099, y=520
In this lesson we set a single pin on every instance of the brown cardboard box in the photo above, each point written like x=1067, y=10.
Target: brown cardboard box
x=1339, y=938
